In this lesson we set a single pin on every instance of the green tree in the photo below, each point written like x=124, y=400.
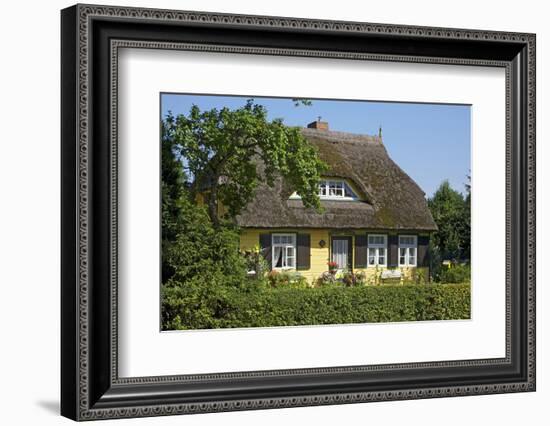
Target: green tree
x=173, y=184
x=466, y=234
x=448, y=208
x=220, y=151
x=202, y=266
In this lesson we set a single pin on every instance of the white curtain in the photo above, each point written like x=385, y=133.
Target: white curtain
x=340, y=253
x=278, y=257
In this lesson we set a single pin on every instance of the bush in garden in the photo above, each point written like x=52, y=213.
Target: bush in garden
x=256, y=262
x=456, y=274
x=200, y=249
x=420, y=277
x=286, y=306
x=351, y=279
x=291, y=279
x=205, y=265
x=199, y=302
x=326, y=278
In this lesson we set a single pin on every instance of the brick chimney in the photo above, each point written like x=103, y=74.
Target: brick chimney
x=318, y=124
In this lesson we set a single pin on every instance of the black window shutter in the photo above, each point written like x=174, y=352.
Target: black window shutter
x=265, y=247
x=423, y=251
x=303, y=243
x=361, y=251
x=393, y=259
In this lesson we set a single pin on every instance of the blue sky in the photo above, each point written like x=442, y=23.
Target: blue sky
x=430, y=142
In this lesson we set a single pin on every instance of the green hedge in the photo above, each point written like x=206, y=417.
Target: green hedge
x=337, y=305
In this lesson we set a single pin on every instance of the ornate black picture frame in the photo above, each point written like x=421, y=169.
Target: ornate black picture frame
x=91, y=387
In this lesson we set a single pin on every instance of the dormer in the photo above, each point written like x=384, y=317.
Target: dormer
x=334, y=189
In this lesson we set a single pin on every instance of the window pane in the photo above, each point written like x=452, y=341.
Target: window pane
x=336, y=189
x=412, y=256
x=348, y=192
x=381, y=256
x=277, y=257
x=377, y=241
x=289, y=257
x=372, y=256
x=407, y=240
x=283, y=239
x=340, y=189
x=323, y=188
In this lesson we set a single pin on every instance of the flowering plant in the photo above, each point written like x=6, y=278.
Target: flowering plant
x=332, y=266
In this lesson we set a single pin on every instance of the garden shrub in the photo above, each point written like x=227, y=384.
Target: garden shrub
x=256, y=262
x=420, y=276
x=291, y=279
x=196, y=303
x=351, y=279
x=326, y=278
x=456, y=274
x=205, y=267
x=286, y=306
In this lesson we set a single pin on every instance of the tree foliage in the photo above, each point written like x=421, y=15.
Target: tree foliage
x=203, y=268
x=174, y=200
x=451, y=212
x=221, y=151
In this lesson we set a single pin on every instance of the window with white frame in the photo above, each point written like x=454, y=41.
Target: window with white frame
x=336, y=189
x=407, y=250
x=333, y=189
x=378, y=249
x=283, y=251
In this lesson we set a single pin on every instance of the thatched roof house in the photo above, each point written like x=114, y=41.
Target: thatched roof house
x=375, y=218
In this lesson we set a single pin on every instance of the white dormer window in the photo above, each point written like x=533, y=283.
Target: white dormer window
x=333, y=189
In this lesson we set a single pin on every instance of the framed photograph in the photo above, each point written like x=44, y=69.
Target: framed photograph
x=263, y=212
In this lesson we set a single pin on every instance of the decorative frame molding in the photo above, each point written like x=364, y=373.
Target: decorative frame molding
x=91, y=37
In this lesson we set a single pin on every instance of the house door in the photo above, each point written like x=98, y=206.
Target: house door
x=341, y=252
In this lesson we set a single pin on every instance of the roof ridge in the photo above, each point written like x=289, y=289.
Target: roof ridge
x=339, y=136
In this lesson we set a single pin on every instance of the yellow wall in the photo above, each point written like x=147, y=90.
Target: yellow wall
x=320, y=255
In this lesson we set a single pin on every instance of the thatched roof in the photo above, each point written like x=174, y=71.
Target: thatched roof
x=390, y=199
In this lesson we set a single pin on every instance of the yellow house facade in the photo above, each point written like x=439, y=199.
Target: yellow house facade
x=374, y=217
x=322, y=250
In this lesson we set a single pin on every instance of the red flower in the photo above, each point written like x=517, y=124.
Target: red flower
x=332, y=265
